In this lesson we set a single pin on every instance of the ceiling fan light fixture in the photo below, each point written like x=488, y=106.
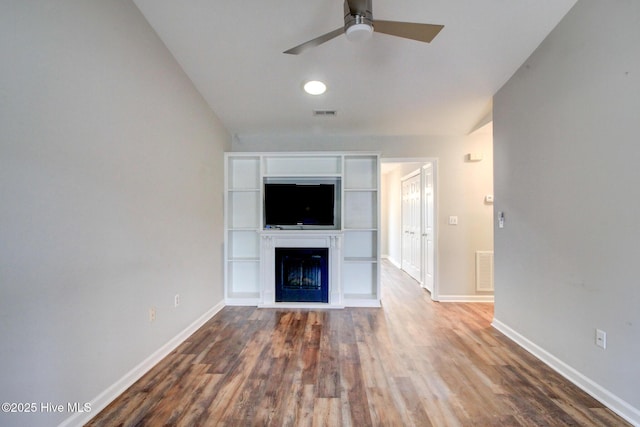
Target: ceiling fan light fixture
x=315, y=87
x=359, y=23
x=359, y=32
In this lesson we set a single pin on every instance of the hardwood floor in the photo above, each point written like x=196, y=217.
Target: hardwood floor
x=413, y=362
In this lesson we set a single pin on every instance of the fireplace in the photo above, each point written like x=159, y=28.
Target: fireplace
x=323, y=244
x=302, y=275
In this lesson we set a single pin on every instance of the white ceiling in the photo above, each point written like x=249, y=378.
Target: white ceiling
x=232, y=51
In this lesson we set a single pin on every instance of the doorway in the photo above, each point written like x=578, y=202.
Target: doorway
x=409, y=218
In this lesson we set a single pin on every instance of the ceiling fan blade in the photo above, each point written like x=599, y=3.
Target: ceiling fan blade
x=315, y=42
x=408, y=30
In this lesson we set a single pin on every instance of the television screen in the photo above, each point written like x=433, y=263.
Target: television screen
x=299, y=204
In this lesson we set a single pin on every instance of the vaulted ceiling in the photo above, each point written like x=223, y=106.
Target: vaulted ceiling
x=233, y=53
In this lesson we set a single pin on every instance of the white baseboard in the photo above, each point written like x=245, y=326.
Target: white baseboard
x=363, y=302
x=613, y=402
x=106, y=397
x=392, y=261
x=465, y=298
x=242, y=302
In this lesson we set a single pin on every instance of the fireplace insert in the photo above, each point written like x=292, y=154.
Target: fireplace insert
x=302, y=275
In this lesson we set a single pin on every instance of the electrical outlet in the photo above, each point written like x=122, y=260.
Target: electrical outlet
x=176, y=300
x=152, y=314
x=601, y=338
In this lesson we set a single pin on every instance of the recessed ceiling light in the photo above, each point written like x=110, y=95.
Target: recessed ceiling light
x=315, y=87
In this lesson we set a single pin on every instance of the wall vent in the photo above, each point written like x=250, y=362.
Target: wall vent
x=325, y=113
x=484, y=271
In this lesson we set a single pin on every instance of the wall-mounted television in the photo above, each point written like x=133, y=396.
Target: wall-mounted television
x=306, y=205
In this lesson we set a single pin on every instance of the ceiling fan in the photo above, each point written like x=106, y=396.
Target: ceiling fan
x=359, y=25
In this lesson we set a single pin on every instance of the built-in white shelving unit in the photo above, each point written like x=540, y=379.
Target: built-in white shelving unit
x=354, y=242
x=361, y=269
x=242, y=226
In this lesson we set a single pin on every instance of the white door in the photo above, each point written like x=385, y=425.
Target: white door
x=411, y=232
x=427, y=227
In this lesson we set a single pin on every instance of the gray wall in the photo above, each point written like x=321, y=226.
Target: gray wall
x=111, y=199
x=566, y=175
x=462, y=186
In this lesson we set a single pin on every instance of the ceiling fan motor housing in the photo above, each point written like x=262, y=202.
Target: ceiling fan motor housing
x=358, y=24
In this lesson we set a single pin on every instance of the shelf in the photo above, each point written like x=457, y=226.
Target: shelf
x=243, y=277
x=360, y=296
x=303, y=176
x=360, y=259
x=361, y=171
x=361, y=210
x=360, y=278
x=243, y=298
x=243, y=172
x=302, y=165
x=310, y=232
x=361, y=300
x=243, y=209
x=354, y=229
x=243, y=245
x=244, y=294
x=347, y=230
x=360, y=244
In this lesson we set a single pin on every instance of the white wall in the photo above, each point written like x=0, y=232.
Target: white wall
x=566, y=176
x=462, y=186
x=111, y=200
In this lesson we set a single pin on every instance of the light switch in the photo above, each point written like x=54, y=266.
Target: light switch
x=453, y=220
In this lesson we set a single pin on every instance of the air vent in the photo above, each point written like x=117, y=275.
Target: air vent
x=484, y=271
x=325, y=113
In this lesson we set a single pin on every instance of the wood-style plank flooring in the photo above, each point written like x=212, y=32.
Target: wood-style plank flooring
x=412, y=363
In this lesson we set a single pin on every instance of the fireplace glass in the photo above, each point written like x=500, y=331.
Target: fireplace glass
x=302, y=275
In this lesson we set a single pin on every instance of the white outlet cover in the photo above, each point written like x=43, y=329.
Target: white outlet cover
x=601, y=338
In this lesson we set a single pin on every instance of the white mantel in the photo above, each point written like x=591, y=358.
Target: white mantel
x=272, y=239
